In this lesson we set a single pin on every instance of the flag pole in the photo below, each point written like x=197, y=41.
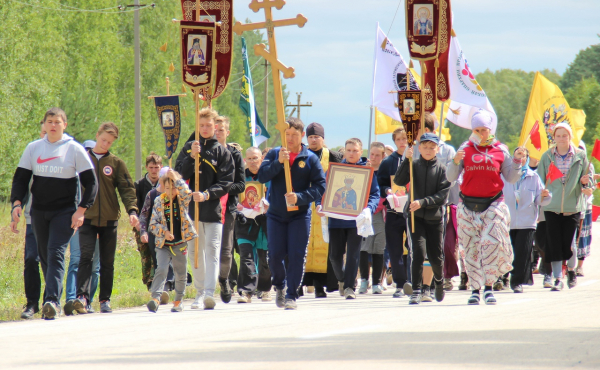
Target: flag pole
x=371, y=127
x=171, y=215
x=196, y=175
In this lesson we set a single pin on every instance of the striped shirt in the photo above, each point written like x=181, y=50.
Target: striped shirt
x=563, y=164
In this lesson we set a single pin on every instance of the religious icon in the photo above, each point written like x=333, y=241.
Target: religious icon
x=251, y=197
x=423, y=20
x=347, y=190
x=206, y=18
x=345, y=198
x=168, y=119
x=409, y=107
x=196, y=47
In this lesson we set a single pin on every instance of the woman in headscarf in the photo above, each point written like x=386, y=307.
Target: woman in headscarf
x=524, y=199
x=564, y=211
x=483, y=217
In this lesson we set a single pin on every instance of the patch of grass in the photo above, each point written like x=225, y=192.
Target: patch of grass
x=128, y=289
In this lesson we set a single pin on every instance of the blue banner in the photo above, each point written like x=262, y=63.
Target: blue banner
x=169, y=117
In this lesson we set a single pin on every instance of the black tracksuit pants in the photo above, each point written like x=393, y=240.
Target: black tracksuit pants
x=427, y=240
x=107, y=236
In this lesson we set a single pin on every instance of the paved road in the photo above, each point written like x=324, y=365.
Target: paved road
x=538, y=329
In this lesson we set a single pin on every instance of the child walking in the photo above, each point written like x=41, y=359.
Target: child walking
x=431, y=189
x=171, y=244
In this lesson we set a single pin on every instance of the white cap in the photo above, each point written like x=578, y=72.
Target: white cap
x=89, y=144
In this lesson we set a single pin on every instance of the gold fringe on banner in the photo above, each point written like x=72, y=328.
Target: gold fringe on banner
x=453, y=33
x=184, y=112
x=411, y=65
x=164, y=47
x=183, y=89
x=172, y=67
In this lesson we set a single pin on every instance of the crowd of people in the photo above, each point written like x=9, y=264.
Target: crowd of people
x=481, y=213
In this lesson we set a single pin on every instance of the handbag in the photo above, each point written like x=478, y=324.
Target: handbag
x=476, y=204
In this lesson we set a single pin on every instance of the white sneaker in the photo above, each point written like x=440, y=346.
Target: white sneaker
x=266, y=297
x=209, y=303
x=377, y=289
x=198, y=302
x=349, y=294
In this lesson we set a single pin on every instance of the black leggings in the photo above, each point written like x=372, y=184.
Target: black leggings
x=377, y=266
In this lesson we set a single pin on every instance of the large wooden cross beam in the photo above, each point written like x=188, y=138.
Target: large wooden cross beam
x=276, y=65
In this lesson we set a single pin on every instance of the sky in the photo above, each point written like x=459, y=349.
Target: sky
x=333, y=53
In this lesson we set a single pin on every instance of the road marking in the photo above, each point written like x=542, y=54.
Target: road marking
x=359, y=329
x=518, y=301
x=590, y=282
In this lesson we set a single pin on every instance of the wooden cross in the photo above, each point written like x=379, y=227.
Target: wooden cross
x=298, y=105
x=276, y=65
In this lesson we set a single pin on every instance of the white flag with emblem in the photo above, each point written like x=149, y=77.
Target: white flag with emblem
x=463, y=85
x=389, y=74
x=461, y=114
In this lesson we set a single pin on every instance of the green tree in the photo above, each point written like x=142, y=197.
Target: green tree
x=585, y=65
x=585, y=94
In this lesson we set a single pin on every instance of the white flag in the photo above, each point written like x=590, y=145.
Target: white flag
x=389, y=74
x=461, y=114
x=463, y=85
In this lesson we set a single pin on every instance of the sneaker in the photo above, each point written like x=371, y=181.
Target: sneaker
x=547, y=281
x=473, y=299
x=498, y=285
x=440, y=292
x=164, y=298
x=558, y=286
x=489, y=298
x=398, y=293
x=89, y=309
x=105, y=307
x=266, y=297
x=290, y=304
x=68, y=308
x=259, y=294
x=408, y=290
x=209, y=303
x=364, y=286
x=225, y=292
x=389, y=277
x=426, y=294
x=153, y=305
x=280, y=298
x=579, y=271
x=245, y=298
x=310, y=289
x=448, y=286
x=464, y=281
x=51, y=311
x=377, y=289
x=198, y=302
x=341, y=288
x=571, y=279
x=30, y=310
x=79, y=305
x=415, y=298
x=177, y=306
x=518, y=289
x=349, y=293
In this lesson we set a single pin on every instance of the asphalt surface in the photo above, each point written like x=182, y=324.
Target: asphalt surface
x=538, y=329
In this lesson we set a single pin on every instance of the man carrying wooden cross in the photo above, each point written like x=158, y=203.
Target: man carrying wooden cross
x=288, y=231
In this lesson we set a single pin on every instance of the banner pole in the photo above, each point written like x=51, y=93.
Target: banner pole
x=196, y=176
x=371, y=127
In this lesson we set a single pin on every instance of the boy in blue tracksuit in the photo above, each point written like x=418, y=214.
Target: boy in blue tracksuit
x=288, y=232
x=343, y=234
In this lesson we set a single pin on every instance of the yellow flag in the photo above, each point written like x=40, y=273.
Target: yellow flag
x=385, y=124
x=547, y=108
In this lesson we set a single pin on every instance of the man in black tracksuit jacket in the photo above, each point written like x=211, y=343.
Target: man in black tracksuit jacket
x=431, y=188
x=216, y=177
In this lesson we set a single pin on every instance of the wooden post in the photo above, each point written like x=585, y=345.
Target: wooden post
x=196, y=176
x=412, y=195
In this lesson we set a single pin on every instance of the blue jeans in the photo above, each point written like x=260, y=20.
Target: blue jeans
x=74, y=265
x=52, y=231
